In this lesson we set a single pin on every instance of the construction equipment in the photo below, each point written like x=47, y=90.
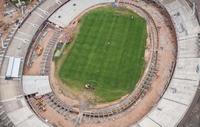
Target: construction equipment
x=41, y=105
x=39, y=49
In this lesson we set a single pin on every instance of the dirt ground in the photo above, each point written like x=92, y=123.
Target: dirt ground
x=37, y=59
x=166, y=57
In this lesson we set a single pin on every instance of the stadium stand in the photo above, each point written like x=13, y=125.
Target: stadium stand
x=4, y=120
x=72, y=9
x=66, y=110
x=13, y=98
x=48, y=53
x=179, y=95
x=195, y=4
x=100, y=114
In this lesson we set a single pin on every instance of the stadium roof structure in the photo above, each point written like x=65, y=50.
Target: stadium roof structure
x=22, y=116
x=38, y=85
x=13, y=67
x=73, y=8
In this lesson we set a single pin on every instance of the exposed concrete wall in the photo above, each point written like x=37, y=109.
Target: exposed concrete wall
x=197, y=2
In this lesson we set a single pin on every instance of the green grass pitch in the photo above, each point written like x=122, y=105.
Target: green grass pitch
x=108, y=52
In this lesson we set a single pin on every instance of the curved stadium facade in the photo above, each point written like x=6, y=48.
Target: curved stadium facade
x=173, y=107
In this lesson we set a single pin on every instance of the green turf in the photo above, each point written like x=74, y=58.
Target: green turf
x=108, y=52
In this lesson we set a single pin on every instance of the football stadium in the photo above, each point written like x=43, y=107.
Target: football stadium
x=100, y=63
x=107, y=61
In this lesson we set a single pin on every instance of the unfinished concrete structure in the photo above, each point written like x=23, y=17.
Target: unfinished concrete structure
x=168, y=112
